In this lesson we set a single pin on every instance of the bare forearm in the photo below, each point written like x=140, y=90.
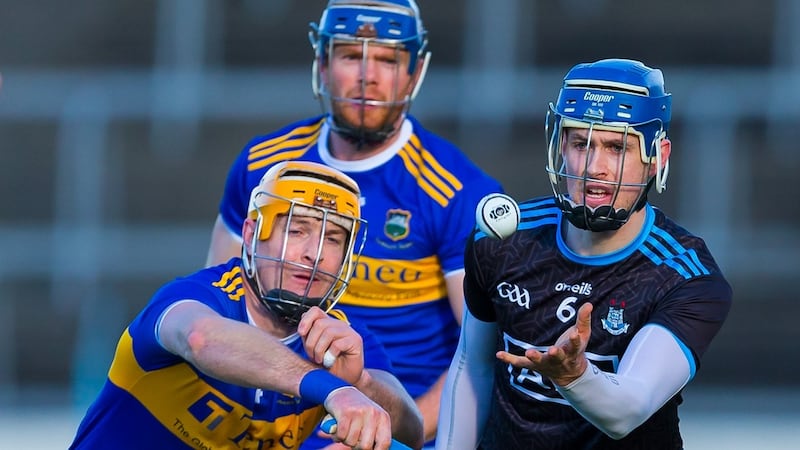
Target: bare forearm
x=385, y=390
x=240, y=354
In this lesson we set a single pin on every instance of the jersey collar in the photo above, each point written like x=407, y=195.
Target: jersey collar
x=608, y=258
x=363, y=165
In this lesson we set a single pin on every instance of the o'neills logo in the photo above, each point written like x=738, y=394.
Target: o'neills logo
x=578, y=288
x=600, y=98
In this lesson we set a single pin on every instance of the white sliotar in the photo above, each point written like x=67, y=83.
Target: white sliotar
x=328, y=359
x=497, y=215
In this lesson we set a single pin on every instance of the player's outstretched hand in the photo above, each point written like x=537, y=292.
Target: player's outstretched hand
x=321, y=332
x=564, y=361
x=360, y=422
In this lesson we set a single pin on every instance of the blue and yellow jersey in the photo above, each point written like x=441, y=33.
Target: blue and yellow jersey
x=154, y=399
x=419, y=200
x=531, y=285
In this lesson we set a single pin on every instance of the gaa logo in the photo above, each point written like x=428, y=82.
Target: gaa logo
x=499, y=211
x=514, y=294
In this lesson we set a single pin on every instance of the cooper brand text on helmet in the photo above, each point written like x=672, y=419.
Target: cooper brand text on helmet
x=598, y=97
x=325, y=194
x=371, y=19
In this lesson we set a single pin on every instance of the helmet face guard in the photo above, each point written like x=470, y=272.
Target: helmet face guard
x=621, y=96
x=370, y=25
x=293, y=198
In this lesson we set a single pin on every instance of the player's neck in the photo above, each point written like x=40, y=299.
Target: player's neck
x=593, y=243
x=263, y=318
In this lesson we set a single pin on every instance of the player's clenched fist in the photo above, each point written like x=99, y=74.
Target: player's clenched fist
x=361, y=423
x=322, y=333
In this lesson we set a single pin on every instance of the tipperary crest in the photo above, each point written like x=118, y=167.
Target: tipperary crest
x=614, y=322
x=397, y=223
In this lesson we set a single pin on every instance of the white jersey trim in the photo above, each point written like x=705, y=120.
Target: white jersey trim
x=363, y=165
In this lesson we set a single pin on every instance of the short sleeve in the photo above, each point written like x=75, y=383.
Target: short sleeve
x=695, y=311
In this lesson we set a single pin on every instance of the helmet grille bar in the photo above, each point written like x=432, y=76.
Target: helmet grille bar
x=608, y=85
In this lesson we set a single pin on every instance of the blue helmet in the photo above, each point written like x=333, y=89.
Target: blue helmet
x=390, y=22
x=619, y=95
x=617, y=91
x=387, y=23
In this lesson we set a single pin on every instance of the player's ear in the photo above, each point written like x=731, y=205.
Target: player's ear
x=666, y=149
x=248, y=232
x=412, y=85
x=322, y=65
x=418, y=75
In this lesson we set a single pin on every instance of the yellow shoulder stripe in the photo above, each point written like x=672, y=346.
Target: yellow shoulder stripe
x=285, y=156
x=431, y=177
x=231, y=284
x=299, y=138
x=444, y=173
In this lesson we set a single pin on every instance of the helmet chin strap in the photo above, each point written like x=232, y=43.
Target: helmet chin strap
x=289, y=306
x=286, y=305
x=602, y=218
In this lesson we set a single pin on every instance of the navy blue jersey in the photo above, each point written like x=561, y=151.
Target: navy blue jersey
x=154, y=399
x=532, y=285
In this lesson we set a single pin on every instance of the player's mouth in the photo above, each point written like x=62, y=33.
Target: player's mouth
x=302, y=278
x=297, y=285
x=597, y=195
x=365, y=102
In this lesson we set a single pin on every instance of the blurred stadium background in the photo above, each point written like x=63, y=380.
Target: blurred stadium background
x=118, y=121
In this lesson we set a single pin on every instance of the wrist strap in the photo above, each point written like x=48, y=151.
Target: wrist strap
x=318, y=384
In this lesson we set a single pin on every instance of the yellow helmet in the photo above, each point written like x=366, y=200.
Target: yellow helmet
x=307, y=184
x=302, y=188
